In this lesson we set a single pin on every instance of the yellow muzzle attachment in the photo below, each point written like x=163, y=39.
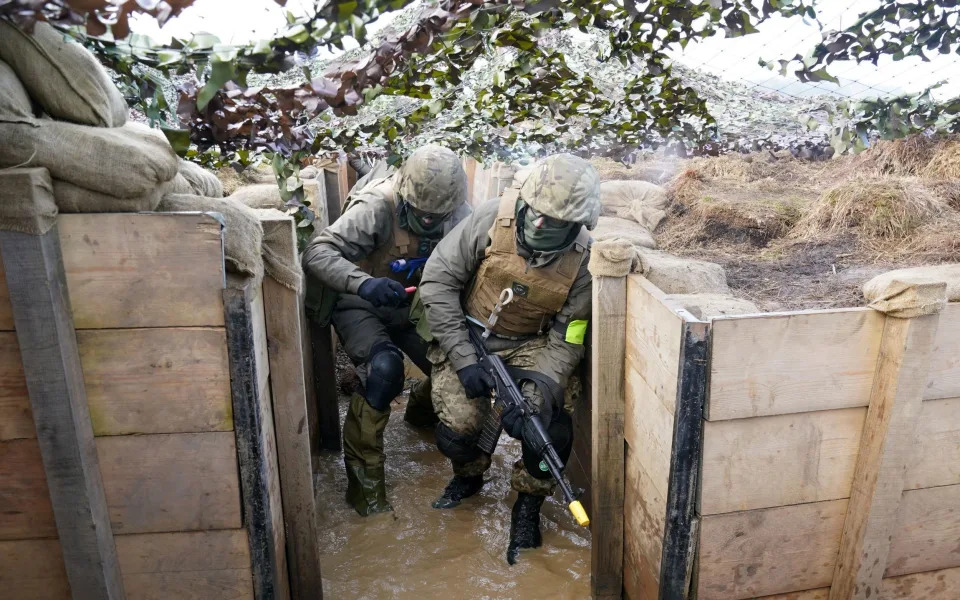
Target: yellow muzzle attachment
x=579, y=513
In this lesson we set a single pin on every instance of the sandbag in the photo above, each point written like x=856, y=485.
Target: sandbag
x=279, y=249
x=628, y=195
x=26, y=201
x=676, y=275
x=14, y=102
x=62, y=76
x=125, y=162
x=309, y=172
x=262, y=195
x=201, y=181
x=242, y=232
x=705, y=306
x=949, y=273
x=609, y=228
x=74, y=199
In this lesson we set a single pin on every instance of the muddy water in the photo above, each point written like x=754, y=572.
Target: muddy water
x=420, y=553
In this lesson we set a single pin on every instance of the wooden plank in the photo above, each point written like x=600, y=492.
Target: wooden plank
x=580, y=462
x=313, y=418
x=16, y=418
x=885, y=449
x=929, y=585
x=680, y=536
x=935, y=457
x=607, y=457
x=346, y=176
x=171, y=482
x=6, y=312
x=200, y=565
x=654, y=338
x=143, y=270
x=763, y=462
x=645, y=510
x=285, y=323
x=256, y=450
x=51, y=364
x=25, y=508
x=770, y=550
x=793, y=362
x=33, y=570
x=944, y=378
x=926, y=532
x=158, y=380
x=648, y=429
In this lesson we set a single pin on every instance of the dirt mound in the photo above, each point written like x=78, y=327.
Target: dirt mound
x=890, y=208
x=794, y=234
x=932, y=157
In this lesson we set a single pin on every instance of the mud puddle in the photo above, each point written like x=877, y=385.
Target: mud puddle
x=419, y=553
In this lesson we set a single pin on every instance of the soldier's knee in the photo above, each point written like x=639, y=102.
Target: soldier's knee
x=384, y=375
x=561, y=435
x=460, y=447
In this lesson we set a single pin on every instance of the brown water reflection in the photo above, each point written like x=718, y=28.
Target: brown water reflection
x=420, y=553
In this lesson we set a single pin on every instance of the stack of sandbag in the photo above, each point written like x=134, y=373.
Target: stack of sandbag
x=61, y=111
x=611, y=228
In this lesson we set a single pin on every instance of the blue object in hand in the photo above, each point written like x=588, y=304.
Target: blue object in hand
x=410, y=265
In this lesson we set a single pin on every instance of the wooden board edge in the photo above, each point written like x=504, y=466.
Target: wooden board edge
x=681, y=524
x=252, y=454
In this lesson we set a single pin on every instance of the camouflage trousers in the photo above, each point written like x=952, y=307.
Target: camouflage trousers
x=467, y=415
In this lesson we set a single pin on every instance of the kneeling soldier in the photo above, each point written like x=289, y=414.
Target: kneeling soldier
x=534, y=241
x=400, y=218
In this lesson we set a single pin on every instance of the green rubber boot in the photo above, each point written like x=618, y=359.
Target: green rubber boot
x=420, y=411
x=363, y=457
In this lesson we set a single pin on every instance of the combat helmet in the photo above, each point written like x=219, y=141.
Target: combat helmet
x=566, y=187
x=432, y=180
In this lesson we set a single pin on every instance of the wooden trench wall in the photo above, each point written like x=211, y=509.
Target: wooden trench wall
x=154, y=470
x=773, y=455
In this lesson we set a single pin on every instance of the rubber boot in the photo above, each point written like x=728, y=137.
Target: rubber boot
x=524, y=525
x=420, y=411
x=460, y=487
x=363, y=457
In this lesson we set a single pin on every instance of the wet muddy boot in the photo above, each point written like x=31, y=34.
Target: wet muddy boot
x=420, y=411
x=363, y=457
x=524, y=525
x=460, y=487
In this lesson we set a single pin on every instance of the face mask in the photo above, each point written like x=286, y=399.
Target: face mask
x=543, y=234
x=431, y=226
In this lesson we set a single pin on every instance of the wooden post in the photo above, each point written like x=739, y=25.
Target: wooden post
x=681, y=525
x=48, y=348
x=608, y=340
x=256, y=446
x=325, y=384
x=888, y=434
x=347, y=177
x=284, y=324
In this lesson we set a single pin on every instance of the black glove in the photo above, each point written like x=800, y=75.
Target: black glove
x=476, y=381
x=512, y=422
x=382, y=291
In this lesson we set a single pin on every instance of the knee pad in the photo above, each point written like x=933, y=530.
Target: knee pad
x=384, y=375
x=561, y=434
x=456, y=446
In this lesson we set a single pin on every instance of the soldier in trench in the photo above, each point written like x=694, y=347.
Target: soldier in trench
x=401, y=217
x=533, y=240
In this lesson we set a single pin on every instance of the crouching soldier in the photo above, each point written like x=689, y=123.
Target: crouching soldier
x=534, y=241
x=369, y=257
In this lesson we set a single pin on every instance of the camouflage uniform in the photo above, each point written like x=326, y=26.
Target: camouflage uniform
x=358, y=248
x=565, y=188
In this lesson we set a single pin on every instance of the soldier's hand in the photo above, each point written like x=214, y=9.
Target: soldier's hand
x=476, y=381
x=512, y=422
x=382, y=291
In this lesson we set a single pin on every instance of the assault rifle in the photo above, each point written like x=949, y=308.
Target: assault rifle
x=506, y=395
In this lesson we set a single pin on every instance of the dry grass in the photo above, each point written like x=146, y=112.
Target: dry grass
x=890, y=209
x=654, y=170
x=231, y=180
x=916, y=155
